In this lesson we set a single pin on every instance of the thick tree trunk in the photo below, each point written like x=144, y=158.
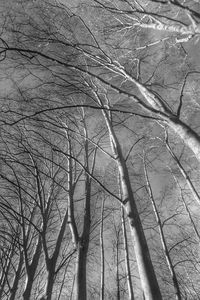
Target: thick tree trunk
x=117, y=268
x=29, y=284
x=148, y=278
x=50, y=282
x=188, y=135
x=80, y=287
x=147, y=275
x=31, y=269
x=102, y=253
x=146, y=271
x=17, y=277
x=51, y=262
x=80, y=284
x=127, y=261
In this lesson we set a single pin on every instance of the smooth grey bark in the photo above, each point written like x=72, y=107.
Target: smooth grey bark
x=162, y=236
x=31, y=269
x=148, y=278
x=51, y=262
x=81, y=241
x=126, y=255
x=80, y=289
x=117, y=265
x=17, y=277
x=102, y=252
x=80, y=284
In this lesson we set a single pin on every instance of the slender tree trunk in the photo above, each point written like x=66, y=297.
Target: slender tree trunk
x=187, y=209
x=183, y=172
x=102, y=252
x=127, y=261
x=117, y=267
x=5, y=266
x=162, y=237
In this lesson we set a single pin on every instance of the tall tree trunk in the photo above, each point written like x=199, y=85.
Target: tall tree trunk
x=6, y=262
x=148, y=278
x=51, y=262
x=187, y=134
x=17, y=277
x=162, y=237
x=102, y=252
x=127, y=260
x=31, y=270
x=147, y=275
x=80, y=284
x=50, y=281
x=117, y=267
x=81, y=242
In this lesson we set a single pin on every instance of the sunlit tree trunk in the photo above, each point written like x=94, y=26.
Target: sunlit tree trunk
x=51, y=262
x=102, y=251
x=162, y=237
x=148, y=278
x=31, y=269
x=81, y=241
x=117, y=264
x=127, y=260
x=80, y=284
x=17, y=277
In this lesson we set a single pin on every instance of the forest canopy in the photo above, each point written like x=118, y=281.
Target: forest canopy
x=99, y=149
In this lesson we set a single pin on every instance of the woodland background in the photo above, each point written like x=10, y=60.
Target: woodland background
x=99, y=149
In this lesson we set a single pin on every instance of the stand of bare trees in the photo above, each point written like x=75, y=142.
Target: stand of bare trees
x=99, y=100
